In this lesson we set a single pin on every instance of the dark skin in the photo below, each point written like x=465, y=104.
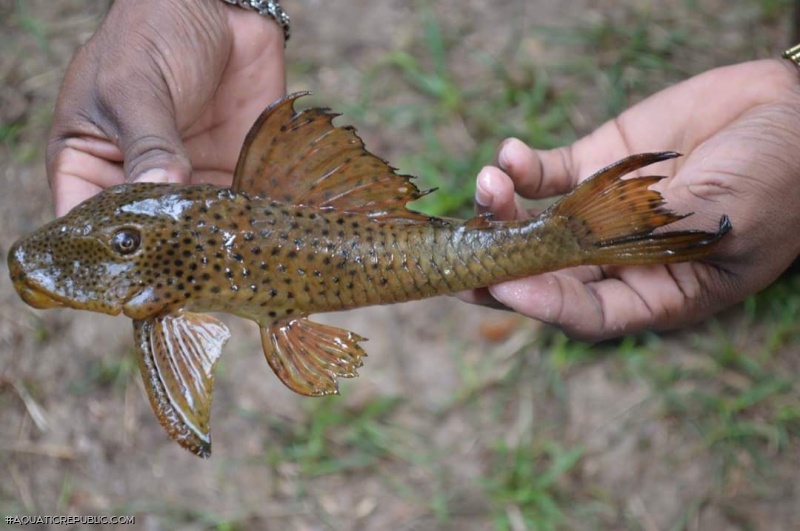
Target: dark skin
x=162, y=93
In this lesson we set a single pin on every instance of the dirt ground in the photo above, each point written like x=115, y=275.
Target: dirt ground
x=413, y=442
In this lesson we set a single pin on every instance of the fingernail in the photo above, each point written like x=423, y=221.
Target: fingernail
x=156, y=175
x=482, y=197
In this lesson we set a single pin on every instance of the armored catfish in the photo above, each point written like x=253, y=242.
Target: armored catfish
x=312, y=223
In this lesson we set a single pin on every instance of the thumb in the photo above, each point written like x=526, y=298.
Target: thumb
x=150, y=142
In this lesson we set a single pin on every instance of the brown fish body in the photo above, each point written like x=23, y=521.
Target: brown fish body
x=265, y=261
x=313, y=223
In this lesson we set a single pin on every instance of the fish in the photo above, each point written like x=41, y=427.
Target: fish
x=313, y=222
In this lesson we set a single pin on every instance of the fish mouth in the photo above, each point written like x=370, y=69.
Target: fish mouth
x=43, y=299
x=37, y=298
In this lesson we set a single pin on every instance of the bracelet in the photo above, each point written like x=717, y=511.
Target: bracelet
x=267, y=8
x=793, y=54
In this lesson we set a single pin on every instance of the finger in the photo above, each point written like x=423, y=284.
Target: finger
x=481, y=297
x=617, y=301
x=494, y=193
x=561, y=300
x=149, y=138
x=78, y=174
x=537, y=173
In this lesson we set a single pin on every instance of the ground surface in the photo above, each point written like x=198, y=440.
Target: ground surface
x=462, y=418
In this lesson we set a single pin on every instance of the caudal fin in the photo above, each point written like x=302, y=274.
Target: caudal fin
x=613, y=219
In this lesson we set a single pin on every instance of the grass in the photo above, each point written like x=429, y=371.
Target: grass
x=338, y=438
x=528, y=484
x=502, y=100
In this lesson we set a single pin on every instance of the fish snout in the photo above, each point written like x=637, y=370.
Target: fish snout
x=29, y=291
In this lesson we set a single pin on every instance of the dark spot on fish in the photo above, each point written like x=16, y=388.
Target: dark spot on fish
x=214, y=289
x=282, y=268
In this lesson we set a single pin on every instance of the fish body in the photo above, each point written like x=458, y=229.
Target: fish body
x=313, y=223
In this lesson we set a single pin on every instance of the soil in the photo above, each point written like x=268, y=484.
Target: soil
x=78, y=435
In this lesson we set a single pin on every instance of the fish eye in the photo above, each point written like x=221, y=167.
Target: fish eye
x=126, y=241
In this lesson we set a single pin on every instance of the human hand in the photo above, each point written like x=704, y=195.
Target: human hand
x=164, y=91
x=739, y=128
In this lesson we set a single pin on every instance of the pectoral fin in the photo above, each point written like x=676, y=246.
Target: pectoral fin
x=177, y=355
x=309, y=357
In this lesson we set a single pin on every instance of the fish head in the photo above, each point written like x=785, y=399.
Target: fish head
x=102, y=256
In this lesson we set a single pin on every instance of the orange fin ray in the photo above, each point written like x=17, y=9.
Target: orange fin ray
x=177, y=356
x=301, y=158
x=613, y=219
x=309, y=357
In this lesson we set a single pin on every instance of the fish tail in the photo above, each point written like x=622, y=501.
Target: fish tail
x=613, y=219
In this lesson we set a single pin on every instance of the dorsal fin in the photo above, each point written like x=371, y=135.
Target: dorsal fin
x=301, y=158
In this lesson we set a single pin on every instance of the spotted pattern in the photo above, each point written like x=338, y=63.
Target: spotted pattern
x=205, y=248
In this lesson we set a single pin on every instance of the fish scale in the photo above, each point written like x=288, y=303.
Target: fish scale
x=312, y=223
